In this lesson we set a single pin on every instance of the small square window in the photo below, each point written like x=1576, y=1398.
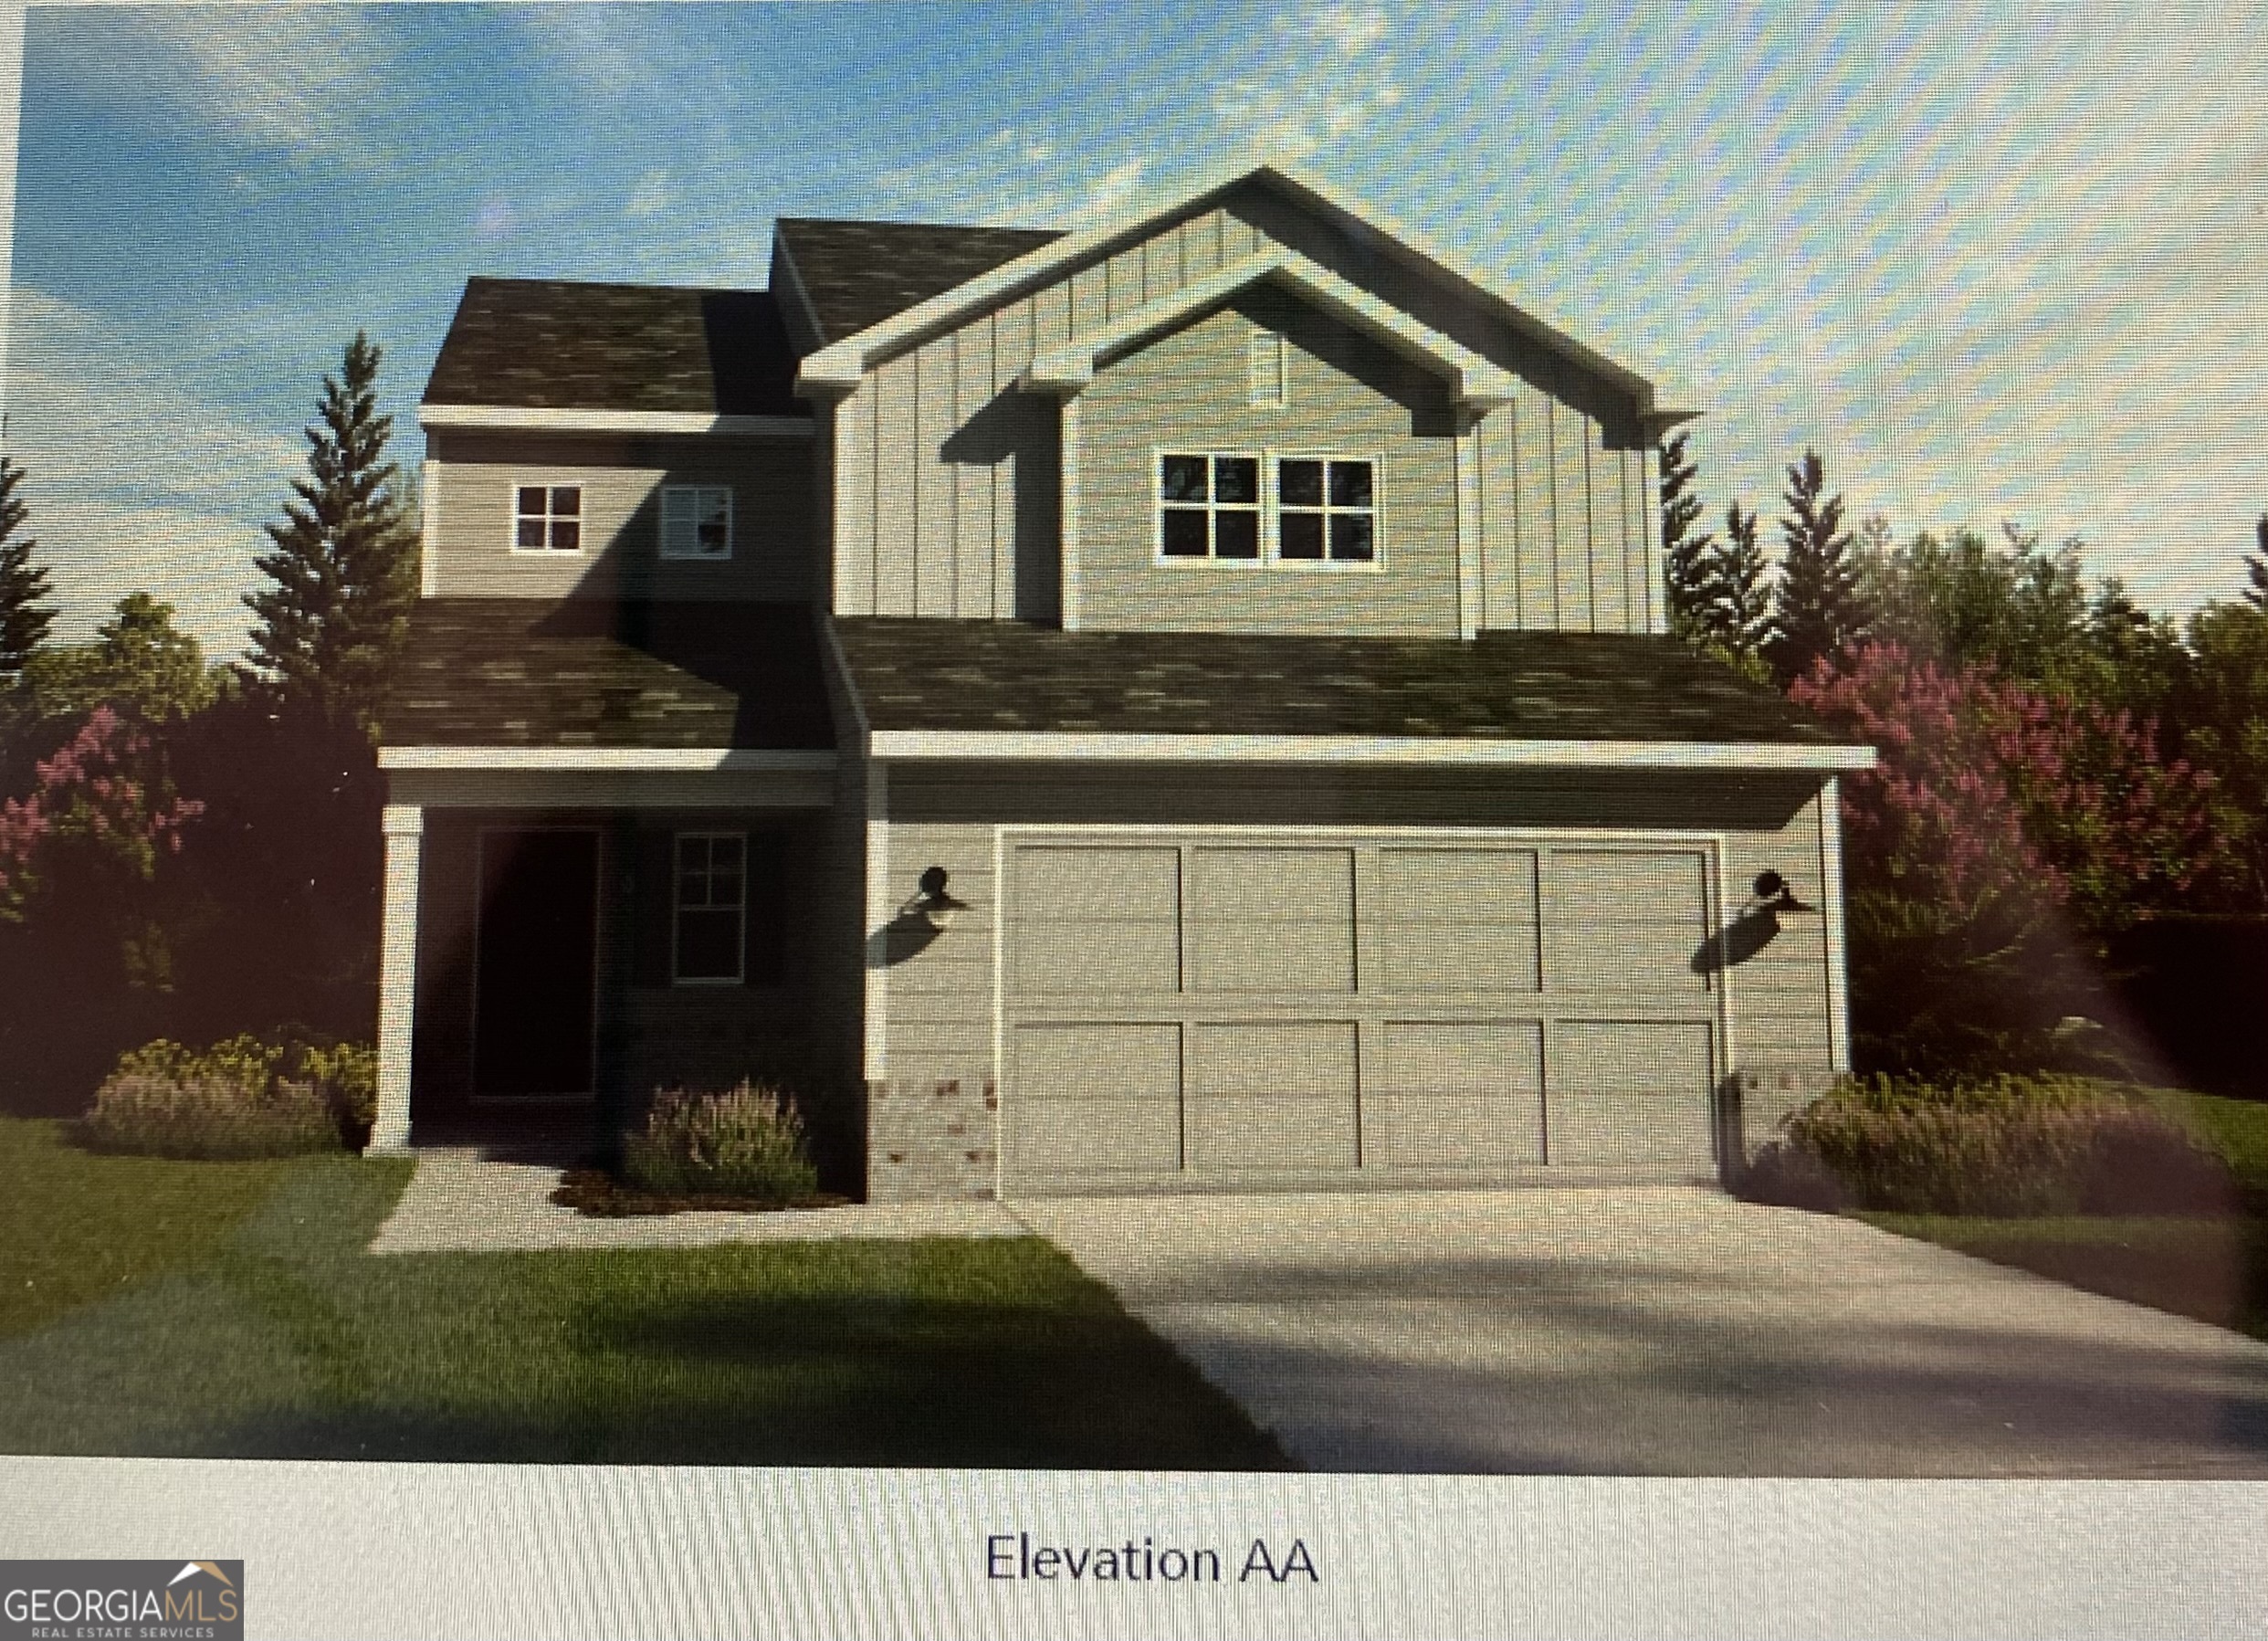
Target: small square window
x=696, y=521
x=1209, y=506
x=1326, y=510
x=547, y=518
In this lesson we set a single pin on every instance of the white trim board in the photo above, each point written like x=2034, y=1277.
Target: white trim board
x=840, y=366
x=1478, y=384
x=533, y=419
x=1040, y=746
x=720, y=760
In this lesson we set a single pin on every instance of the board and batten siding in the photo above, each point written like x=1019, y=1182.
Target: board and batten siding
x=470, y=479
x=947, y=485
x=941, y=998
x=1345, y=395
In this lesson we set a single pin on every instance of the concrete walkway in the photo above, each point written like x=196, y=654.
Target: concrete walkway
x=462, y=1201
x=1659, y=1331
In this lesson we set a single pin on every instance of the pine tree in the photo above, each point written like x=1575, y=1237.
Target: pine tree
x=1684, y=555
x=2255, y=571
x=345, y=564
x=1740, y=589
x=24, y=620
x=1819, y=610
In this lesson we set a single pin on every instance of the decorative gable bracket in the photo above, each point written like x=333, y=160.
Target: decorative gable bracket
x=1477, y=386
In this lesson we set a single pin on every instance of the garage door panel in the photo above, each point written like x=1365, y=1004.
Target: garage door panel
x=1095, y=1097
x=1085, y=884
x=1271, y=919
x=1628, y=1092
x=1273, y=1096
x=1116, y=955
x=1625, y=920
x=1463, y=919
x=1455, y=1095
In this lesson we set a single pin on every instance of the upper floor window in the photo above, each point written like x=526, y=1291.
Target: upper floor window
x=710, y=932
x=1267, y=370
x=696, y=521
x=1208, y=506
x=1326, y=510
x=547, y=518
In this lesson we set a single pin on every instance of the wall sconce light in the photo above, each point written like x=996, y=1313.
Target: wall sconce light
x=1776, y=895
x=936, y=905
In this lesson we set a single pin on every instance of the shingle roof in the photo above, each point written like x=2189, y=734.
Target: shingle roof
x=913, y=674
x=588, y=672
x=860, y=273
x=562, y=344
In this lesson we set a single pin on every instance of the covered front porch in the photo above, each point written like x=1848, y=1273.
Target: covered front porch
x=557, y=948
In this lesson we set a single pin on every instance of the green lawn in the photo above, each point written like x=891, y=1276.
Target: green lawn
x=257, y=1327
x=2213, y=1270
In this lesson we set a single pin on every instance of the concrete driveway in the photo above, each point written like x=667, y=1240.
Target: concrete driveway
x=1666, y=1330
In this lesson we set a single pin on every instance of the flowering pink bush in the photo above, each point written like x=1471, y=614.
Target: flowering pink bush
x=104, y=785
x=1990, y=788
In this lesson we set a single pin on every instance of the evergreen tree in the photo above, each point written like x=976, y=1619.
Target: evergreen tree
x=24, y=620
x=345, y=564
x=2255, y=571
x=1738, y=588
x=1819, y=610
x=1684, y=555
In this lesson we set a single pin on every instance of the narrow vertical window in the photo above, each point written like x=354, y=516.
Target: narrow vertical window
x=1267, y=370
x=709, y=935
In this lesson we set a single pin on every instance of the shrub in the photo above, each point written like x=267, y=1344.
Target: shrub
x=747, y=1142
x=242, y=1086
x=207, y=1116
x=2009, y=1147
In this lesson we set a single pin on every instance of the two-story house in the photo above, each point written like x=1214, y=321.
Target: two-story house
x=1180, y=704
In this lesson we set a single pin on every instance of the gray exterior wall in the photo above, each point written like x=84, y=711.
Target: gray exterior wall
x=938, y=1010
x=1345, y=395
x=947, y=480
x=470, y=477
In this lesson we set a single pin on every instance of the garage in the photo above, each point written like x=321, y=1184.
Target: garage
x=1238, y=1009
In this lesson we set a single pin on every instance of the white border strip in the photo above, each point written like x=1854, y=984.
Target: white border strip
x=703, y=759
x=1009, y=745
x=528, y=419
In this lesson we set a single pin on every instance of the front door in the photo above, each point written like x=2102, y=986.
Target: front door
x=537, y=955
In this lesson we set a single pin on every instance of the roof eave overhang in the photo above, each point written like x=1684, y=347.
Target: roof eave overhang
x=1477, y=385
x=838, y=368
x=995, y=746
x=682, y=759
x=518, y=418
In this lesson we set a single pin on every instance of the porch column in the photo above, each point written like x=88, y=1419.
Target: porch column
x=398, y=977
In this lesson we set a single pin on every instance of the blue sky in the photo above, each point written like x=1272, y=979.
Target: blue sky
x=1994, y=262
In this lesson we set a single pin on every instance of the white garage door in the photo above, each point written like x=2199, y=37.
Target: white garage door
x=1219, y=1011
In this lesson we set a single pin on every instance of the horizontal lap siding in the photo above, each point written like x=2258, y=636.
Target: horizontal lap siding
x=934, y=434
x=470, y=479
x=1345, y=395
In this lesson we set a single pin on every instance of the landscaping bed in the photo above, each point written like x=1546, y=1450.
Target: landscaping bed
x=598, y=1193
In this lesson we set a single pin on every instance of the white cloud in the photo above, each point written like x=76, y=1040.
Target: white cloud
x=1329, y=72
x=1016, y=178
x=652, y=196
x=307, y=81
x=135, y=480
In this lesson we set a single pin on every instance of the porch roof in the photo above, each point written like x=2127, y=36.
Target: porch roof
x=1013, y=678
x=515, y=672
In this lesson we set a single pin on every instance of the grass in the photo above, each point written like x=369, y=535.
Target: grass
x=2213, y=1270
x=276, y=1336
x=75, y=1226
